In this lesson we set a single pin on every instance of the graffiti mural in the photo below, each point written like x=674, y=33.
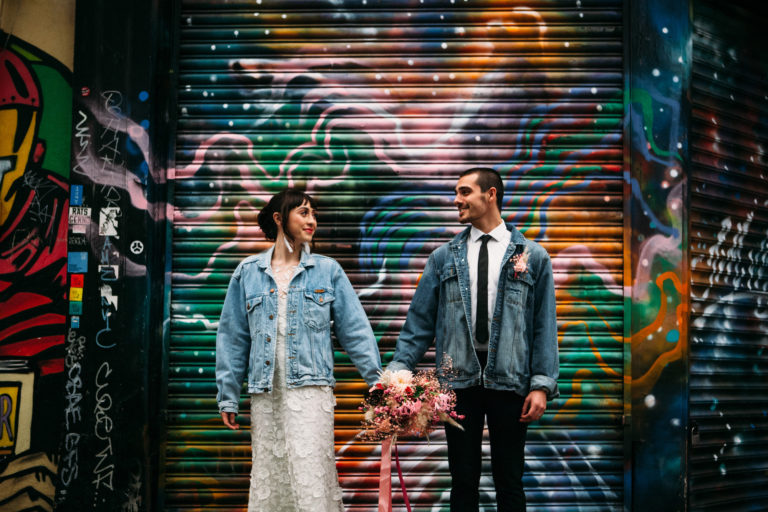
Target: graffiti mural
x=729, y=258
x=375, y=112
x=117, y=213
x=35, y=94
x=657, y=247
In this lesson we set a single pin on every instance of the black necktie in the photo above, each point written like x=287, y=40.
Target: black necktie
x=481, y=317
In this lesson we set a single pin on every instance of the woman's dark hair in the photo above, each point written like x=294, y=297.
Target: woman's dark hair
x=282, y=203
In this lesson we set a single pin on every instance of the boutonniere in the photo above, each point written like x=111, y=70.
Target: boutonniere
x=520, y=262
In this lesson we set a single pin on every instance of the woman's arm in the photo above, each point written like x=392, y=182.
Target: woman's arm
x=233, y=344
x=352, y=328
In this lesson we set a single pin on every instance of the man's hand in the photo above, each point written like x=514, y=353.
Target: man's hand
x=229, y=420
x=534, y=406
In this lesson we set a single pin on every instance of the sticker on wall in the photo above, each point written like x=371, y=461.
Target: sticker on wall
x=137, y=247
x=76, y=294
x=76, y=280
x=74, y=322
x=77, y=262
x=108, y=221
x=75, y=308
x=79, y=215
x=107, y=297
x=75, y=195
x=108, y=272
x=77, y=239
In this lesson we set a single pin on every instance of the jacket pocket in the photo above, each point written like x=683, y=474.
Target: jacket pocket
x=317, y=308
x=254, y=307
x=518, y=287
x=449, y=283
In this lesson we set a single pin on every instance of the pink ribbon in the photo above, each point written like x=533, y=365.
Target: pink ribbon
x=385, y=477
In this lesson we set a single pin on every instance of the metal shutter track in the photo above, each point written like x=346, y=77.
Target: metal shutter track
x=376, y=107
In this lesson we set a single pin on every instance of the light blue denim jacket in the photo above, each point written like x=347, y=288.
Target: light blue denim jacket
x=522, y=352
x=319, y=296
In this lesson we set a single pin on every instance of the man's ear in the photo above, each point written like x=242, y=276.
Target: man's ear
x=491, y=194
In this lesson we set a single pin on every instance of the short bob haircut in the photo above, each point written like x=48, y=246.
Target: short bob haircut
x=282, y=202
x=487, y=178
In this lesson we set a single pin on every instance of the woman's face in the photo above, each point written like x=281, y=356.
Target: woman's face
x=302, y=223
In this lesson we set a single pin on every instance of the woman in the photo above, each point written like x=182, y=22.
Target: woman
x=276, y=327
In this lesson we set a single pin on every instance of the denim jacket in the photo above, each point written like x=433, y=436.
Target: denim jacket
x=522, y=351
x=320, y=296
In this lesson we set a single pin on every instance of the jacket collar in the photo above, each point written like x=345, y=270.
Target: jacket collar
x=461, y=239
x=263, y=259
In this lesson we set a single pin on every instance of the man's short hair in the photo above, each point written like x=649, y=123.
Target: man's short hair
x=487, y=178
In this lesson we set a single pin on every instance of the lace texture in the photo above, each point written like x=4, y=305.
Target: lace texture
x=294, y=467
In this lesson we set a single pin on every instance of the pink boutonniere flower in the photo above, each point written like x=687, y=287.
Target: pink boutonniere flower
x=521, y=262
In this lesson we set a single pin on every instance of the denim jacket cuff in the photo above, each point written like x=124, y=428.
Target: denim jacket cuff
x=546, y=384
x=228, y=406
x=396, y=366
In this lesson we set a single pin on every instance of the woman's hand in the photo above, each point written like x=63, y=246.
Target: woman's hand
x=229, y=420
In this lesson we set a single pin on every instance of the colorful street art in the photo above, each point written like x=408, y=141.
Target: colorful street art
x=35, y=93
x=729, y=259
x=375, y=113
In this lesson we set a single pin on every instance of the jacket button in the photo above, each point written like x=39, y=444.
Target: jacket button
x=269, y=339
x=271, y=290
x=267, y=363
x=271, y=317
x=321, y=299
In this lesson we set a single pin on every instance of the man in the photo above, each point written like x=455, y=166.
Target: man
x=487, y=299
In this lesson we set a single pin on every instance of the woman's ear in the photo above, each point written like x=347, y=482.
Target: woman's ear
x=276, y=217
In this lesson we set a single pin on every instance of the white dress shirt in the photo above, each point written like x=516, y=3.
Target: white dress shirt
x=497, y=247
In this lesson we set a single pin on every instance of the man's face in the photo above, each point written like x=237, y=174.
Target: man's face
x=473, y=203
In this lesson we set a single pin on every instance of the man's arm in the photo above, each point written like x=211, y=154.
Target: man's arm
x=419, y=329
x=545, y=366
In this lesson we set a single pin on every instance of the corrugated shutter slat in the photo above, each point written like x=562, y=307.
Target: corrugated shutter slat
x=376, y=107
x=729, y=261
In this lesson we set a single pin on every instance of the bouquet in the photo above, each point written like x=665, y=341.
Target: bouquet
x=404, y=404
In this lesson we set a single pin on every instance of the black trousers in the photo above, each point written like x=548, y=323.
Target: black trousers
x=507, y=436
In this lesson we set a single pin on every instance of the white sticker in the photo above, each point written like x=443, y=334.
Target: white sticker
x=79, y=215
x=108, y=221
x=137, y=247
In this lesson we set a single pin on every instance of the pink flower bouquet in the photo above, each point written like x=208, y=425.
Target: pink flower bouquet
x=404, y=404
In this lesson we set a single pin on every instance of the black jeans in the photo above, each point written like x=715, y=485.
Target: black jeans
x=507, y=436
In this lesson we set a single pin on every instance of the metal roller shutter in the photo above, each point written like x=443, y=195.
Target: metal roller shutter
x=728, y=459
x=375, y=107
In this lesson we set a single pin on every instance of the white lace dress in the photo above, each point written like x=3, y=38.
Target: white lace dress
x=294, y=467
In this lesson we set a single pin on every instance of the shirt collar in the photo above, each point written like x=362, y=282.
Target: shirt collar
x=499, y=233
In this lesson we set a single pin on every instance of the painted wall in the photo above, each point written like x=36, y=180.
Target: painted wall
x=657, y=298
x=35, y=111
x=116, y=258
x=82, y=355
